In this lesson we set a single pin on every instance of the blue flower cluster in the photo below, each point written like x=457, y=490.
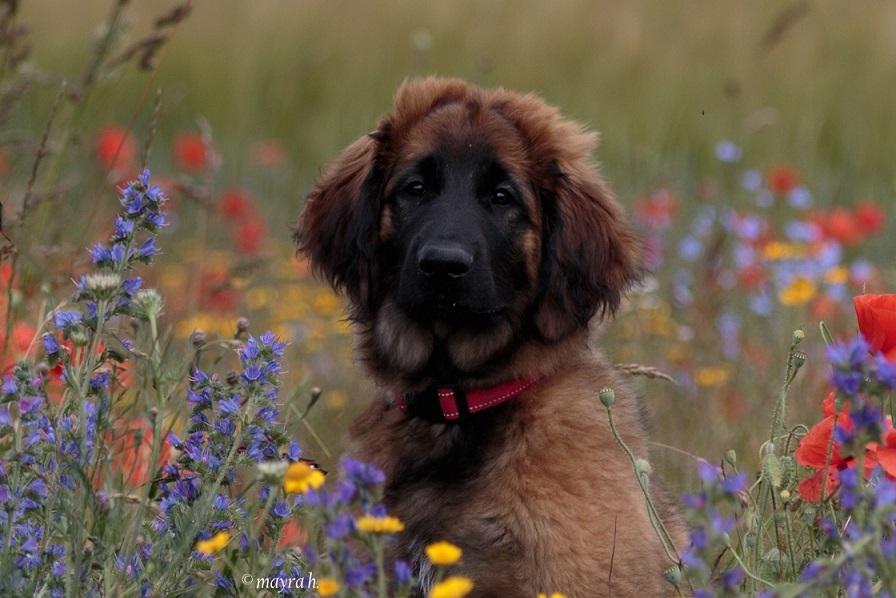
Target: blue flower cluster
x=358, y=491
x=858, y=376
x=25, y=543
x=56, y=447
x=709, y=513
x=233, y=423
x=860, y=543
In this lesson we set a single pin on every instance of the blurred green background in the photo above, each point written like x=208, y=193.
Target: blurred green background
x=806, y=84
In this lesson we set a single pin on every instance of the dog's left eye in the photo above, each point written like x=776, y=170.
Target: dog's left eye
x=415, y=189
x=501, y=196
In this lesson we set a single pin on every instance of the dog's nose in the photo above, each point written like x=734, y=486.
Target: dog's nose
x=444, y=260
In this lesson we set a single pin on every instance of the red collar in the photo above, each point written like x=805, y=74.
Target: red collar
x=451, y=403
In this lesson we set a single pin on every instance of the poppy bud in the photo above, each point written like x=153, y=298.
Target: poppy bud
x=672, y=575
x=607, y=397
x=730, y=457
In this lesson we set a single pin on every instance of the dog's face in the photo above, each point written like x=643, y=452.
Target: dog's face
x=468, y=224
x=457, y=221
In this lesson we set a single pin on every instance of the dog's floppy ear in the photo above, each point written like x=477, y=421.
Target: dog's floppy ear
x=337, y=230
x=590, y=256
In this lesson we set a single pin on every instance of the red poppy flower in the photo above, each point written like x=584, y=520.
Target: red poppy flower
x=877, y=322
x=813, y=451
x=871, y=217
x=886, y=453
x=843, y=226
x=250, y=234
x=235, y=204
x=657, y=210
x=190, y=152
x=782, y=178
x=293, y=535
x=115, y=148
x=217, y=291
x=130, y=443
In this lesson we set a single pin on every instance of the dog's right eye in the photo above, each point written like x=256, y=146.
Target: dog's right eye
x=415, y=189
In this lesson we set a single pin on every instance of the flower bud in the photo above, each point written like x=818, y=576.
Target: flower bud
x=607, y=397
x=672, y=575
x=799, y=358
x=642, y=467
x=730, y=457
x=798, y=335
x=198, y=339
x=242, y=326
x=147, y=304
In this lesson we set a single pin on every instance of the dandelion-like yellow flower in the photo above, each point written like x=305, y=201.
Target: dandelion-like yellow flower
x=379, y=525
x=553, y=595
x=327, y=586
x=300, y=478
x=213, y=544
x=443, y=553
x=454, y=586
x=798, y=292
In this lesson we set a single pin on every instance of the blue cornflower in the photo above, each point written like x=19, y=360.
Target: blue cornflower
x=362, y=474
x=101, y=380
x=734, y=484
x=294, y=451
x=221, y=502
x=403, y=572
x=51, y=345
x=100, y=255
x=849, y=488
x=280, y=509
x=253, y=373
x=9, y=385
x=867, y=418
x=229, y=405
x=225, y=427
x=849, y=355
x=269, y=340
x=848, y=382
x=148, y=249
x=341, y=526
x=728, y=151
x=123, y=229
x=65, y=319
x=250, y=351
x=225, y=583
x=131, y=285
x=885, y=372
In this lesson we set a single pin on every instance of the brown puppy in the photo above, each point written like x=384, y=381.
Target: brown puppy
x=475, y=243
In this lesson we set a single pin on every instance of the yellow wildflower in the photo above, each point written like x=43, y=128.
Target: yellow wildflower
x=454, y=586
x=712, y=376
x=553, y=595
x=778, y=250
x=213, y=544
x=837, y=275
x=379, y=525
x=300, y=478
x=443, y=553
x=327, y=586
x=798, y=292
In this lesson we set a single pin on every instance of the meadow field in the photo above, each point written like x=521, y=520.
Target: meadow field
x=754, y=145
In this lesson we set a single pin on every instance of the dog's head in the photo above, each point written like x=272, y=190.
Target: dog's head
x=469, y=214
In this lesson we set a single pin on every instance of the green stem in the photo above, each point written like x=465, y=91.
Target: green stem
x=655, y=521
